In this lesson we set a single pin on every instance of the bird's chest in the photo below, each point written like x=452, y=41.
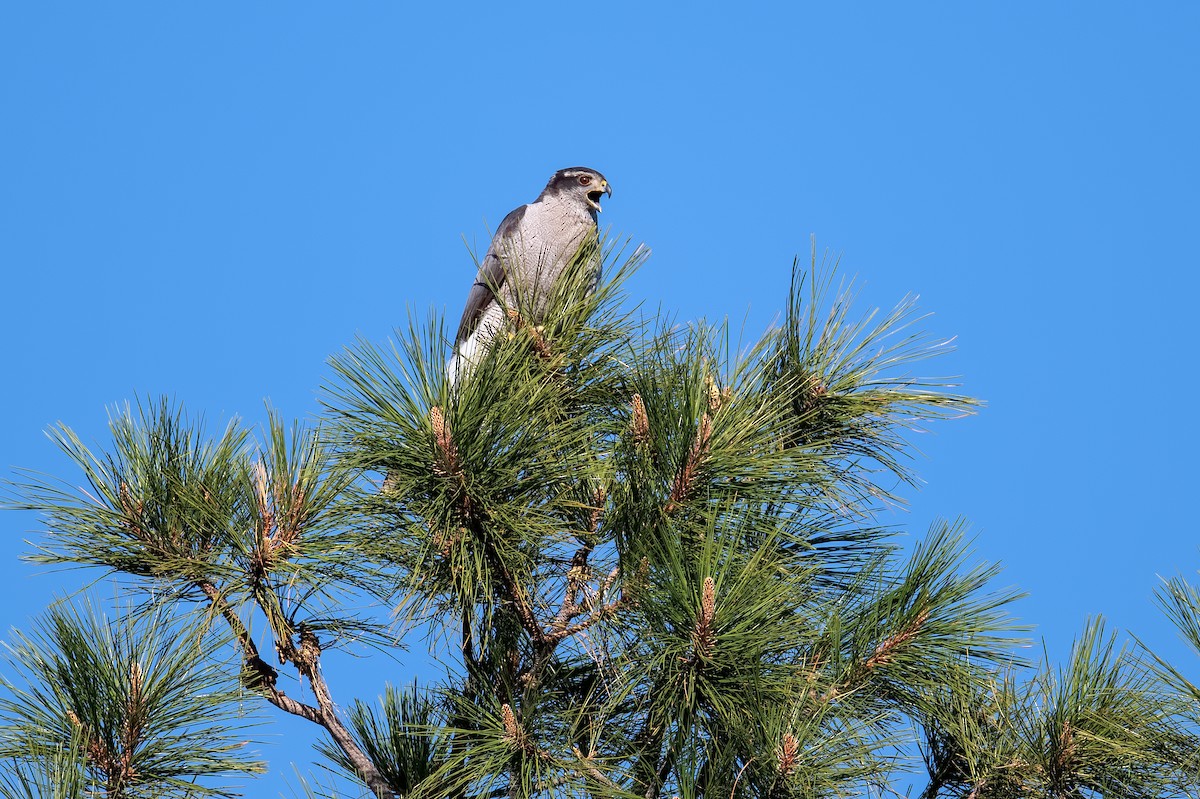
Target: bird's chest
x=545, y=245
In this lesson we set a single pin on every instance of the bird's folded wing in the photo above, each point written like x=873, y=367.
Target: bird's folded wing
x=491, y=275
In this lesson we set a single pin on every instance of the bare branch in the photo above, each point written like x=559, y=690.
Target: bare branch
x=262, y=677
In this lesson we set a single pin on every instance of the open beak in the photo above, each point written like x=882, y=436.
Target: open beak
x=593, y=197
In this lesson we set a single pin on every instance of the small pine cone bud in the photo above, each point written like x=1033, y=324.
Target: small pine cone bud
x=598, y=498
x=708, y=600
x=261, y=483
x=132, y=510
x=639, y=423
x=714, y=394
x=816, y=390
x=1066, y=747
x=511, y=732
x=687, y=475
x=446, y=461
x=310, y=645
x=703, y=636
x=135, y=678
x=786, y=754
x=438, y=422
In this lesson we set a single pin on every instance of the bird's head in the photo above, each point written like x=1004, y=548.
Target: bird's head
x=578, y=183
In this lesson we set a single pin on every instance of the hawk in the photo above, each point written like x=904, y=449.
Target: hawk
x=532, y=248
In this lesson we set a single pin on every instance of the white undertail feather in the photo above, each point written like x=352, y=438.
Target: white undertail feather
x=463, y=360
x=472, y=350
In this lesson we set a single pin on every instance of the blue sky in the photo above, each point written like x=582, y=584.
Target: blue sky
x=207, y=200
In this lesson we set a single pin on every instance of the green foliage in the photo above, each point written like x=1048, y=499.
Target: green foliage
x=142, y=706
x=200, y=517
x=651, y=566
x=1180, y=601
x=162, y=502
x=251, y=533
x=44, y=771
x=649, y=552
x=404, y=739
x=848, y=381
x=1099, y=726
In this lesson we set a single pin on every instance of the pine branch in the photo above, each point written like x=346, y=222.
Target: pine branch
x=513, y=591
x=576, y=579
x=261, y=678
x=113, y=695
x=649, y=558
x=599, y=612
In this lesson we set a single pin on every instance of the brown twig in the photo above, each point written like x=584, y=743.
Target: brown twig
x=511, y=588
x=603, y=611
x=577, y=575
x=590, y=769
x=886, y=648
x=598, y=498
x=307, y=659
x=738, y=778
x=116, y=766
x=1066, y=748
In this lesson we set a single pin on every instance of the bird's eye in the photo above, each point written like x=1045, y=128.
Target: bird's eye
x=585, y=180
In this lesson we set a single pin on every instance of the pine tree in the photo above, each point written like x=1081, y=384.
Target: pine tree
x=652, y=566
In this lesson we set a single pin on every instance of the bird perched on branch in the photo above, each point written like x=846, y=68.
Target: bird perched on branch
x=532, y=248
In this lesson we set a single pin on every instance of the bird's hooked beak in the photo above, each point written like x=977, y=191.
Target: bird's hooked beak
x=593, y=197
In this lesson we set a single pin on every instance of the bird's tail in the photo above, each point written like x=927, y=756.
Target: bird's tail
x=462, y=361
x=453, y=369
